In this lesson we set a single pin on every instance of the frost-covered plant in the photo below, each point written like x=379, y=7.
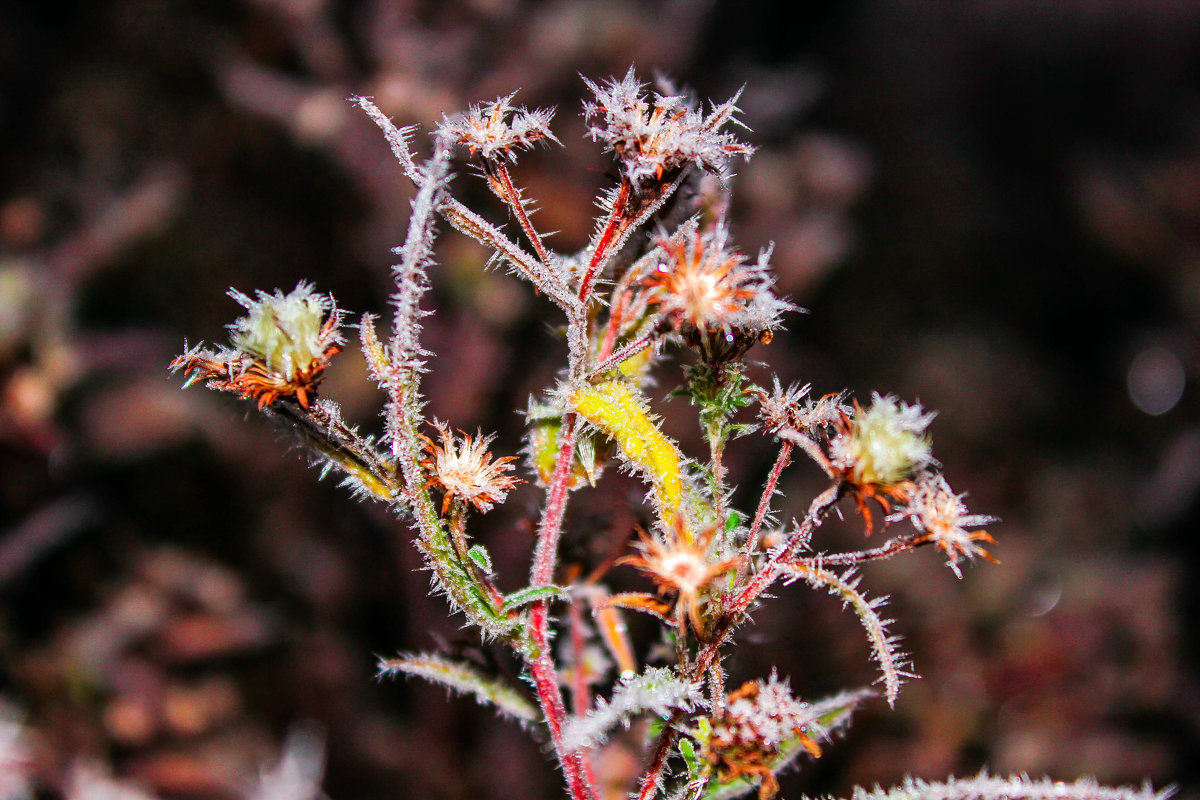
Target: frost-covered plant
x=650, y=279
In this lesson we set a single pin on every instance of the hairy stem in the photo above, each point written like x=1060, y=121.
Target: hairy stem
x=512, y=197
x=617, y=221
x=652, y=777
x=764, y=505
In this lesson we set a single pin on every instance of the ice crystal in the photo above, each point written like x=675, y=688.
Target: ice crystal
x=657, y=691
x=654, y=135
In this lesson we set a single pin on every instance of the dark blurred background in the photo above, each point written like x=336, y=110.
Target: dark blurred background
x=992, y=206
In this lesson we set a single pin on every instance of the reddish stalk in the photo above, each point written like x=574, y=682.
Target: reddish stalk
x=658, y=762
x=581, y=695
x=614, y=323
x=616, y=221
x=628, y=350
x=539, y=657
x=885, y=550
x=545, y=679
x=762, y=580
x=764, y=504
x=513, y=198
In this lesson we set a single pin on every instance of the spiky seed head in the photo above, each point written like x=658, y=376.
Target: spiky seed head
x=752, y=731
x=684, y=567
x=884, y=444
x=702, y=283
x=498, y=129
x=937, y=511
x=289, y=334
x=653, y=135
x=464, y=469
x=280, y=348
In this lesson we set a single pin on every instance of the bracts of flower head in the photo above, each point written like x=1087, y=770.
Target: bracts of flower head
x=280, y=348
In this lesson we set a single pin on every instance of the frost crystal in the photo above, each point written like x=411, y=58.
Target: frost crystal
x=986, y=787
x=657, y=691
x=652, y=137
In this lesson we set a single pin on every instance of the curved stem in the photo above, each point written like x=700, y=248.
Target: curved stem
x=764, y=505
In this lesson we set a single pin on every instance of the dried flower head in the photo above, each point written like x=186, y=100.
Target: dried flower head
x=703, y=284
x=495, y=130
x=684, y=567
x=653, y=136
x=752, y=731
x=879, y=450
x=464, y=469
x=793, y=409
x=280, y=348
x=942, y=516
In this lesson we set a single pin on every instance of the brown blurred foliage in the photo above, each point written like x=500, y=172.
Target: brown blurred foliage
x=991, y=205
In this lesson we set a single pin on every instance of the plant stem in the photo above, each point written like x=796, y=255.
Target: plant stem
x=764, y=504
x=616, y=222
x=538, y=656
x=652, y=778
x=513, y=198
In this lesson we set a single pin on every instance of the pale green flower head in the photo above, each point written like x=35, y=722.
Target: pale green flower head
x=288, y=333
x=886, y=443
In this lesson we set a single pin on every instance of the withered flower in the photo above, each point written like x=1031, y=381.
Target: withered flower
x=464, y=469
x=495, y=130
x=704, y=284
x=752, y=731
x=280, y=348
x=685, y=568
x=879, y=450
x=941, y=514
x=654, y=135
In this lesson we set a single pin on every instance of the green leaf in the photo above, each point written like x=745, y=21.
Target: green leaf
x=479, y=555
x=523, y=597
x=463, y=679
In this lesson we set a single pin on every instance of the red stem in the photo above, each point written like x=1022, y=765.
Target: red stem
x=616, y=220
x=614, y=322
x=540, y=658
x=885, y=550
x=653, y=775
x=581, y=695
x=513, y=198
x=764, y=504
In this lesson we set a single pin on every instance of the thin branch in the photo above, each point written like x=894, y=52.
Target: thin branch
x=513, y=198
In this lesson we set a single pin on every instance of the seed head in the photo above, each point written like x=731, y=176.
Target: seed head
x=703, y=284
x=884, y=444
x=941, y=514
x=495, y=130
x=464, y=469
x=289, y=334
x=652, y=136
x=751, y=731
x=879, y=450
x=683, y=567
x=280, y=348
